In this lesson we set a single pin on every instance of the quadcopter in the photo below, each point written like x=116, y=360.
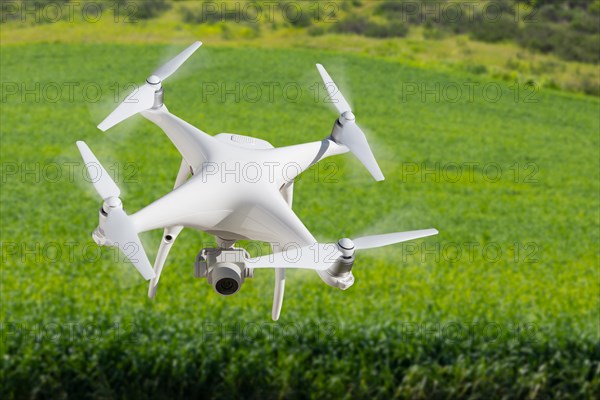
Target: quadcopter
x=231, y=206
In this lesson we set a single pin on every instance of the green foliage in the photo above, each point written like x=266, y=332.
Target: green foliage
x=561, y=41
x=496, y=30
x=302, y=19
x=589, y=86
x=352, y=24
x=316, y=30
x=477, y=69
x=391, y=29
x=571, y=31
x=328, y=343
x=146, y=9
x=137, y=9
x=392, y=9
x=53, y=11
x=363, y=26
x=432, y=31
x=346, y=5
x=212, y=12
x=365, y=362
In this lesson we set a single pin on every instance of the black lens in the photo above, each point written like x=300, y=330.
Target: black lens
x=227, y=286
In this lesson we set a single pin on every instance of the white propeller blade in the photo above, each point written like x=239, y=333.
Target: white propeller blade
x=168, y=68
x=371, y=242
x=102, y=181
x=120, y=230
x=318, y=257
x=321, y=256
x=139, y=100
x=143, y=98
x=335, y=95
x=355, y=140
x=351, y=135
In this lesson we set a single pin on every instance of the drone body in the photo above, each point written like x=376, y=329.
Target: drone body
x=233, y=187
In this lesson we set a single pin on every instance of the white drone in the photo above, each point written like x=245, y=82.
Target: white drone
x=230, y=207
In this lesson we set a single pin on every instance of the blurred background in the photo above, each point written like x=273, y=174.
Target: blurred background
x=483, y=117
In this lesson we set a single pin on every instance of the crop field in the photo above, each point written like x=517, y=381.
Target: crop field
x=503, y=303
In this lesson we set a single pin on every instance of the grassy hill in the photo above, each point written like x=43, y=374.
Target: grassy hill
x=544, y=44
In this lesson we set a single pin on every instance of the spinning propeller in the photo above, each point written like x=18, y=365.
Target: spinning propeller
x=149, y=94
x=346, y=131
x=322, y=255
x=116, y=228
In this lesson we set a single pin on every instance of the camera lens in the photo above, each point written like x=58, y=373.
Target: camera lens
x=227, y=286
x=226, y=278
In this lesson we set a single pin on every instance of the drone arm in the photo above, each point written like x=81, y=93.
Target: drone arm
x=287, y=192
x=298, y=158
x=182, y=175
x=194, y=145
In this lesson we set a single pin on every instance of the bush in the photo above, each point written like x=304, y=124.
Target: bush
x=316, y=30
x=590, y=86
x=552, y=13
x=345, y=6
x=586, y=22
x=495, y=30
x=188, y=15
x=302, y=19
x=390, y=8
x=321, y=12
x=433, y=31
x=146, y=9
x=538, y=37
x=579, y=47
x=560, y=40
x=361, y=25
x=392, y=29
x=478, y=69
x=352, y=24
x=548, y=66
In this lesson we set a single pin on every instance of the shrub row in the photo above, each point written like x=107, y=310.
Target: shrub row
x=363, y=26
x=359, y=362
x=571, y=30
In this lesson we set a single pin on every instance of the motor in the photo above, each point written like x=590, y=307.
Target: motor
x=339, y=274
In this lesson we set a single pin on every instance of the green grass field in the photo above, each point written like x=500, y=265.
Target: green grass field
x=503, y=303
